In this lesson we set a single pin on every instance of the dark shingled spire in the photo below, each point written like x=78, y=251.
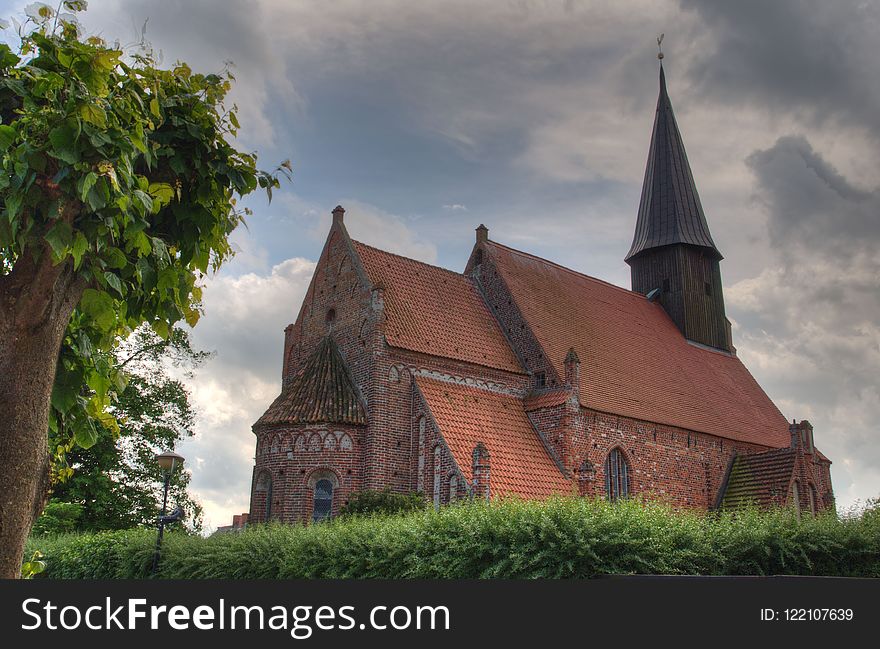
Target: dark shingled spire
x=670, y=210
x=322, y=391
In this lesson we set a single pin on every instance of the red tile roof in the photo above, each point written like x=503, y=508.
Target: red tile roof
x=545, y=400
x=762, y=479
x=634, y=361
x=518, y=461
x=436, y=311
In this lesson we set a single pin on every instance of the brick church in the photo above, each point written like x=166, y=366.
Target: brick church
x=522, y=377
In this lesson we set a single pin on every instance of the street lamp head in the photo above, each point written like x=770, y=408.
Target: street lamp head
x=169, y=461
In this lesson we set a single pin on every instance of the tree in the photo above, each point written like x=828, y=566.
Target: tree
x=118, y=188
x=116, y=483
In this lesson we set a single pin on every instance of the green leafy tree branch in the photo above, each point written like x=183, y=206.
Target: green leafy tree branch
x=118, y=192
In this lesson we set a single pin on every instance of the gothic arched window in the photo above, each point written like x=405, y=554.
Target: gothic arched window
x=420, y=463
x=453, y=487
x=616, y=475
x=263, y=490
x=437, y=453
x=323, y=503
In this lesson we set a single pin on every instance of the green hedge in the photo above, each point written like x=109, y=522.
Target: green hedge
x=560, y=538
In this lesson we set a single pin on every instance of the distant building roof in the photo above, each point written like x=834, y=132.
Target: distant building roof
x=670, y=210
x=322, y=391
x=519, y=462
x=633, y=360
x=436, y=311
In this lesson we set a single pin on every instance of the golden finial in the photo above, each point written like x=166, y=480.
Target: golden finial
x=660, y=46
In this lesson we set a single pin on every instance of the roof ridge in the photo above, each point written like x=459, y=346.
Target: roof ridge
x=417, y=261
x=567, y=269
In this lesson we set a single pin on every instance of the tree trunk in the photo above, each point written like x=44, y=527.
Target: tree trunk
x=36, y=301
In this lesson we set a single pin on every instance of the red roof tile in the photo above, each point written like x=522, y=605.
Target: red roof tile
x=761, y=479
x=519, y=463
x=634, y=361
x=545, y=400
x=436, y=311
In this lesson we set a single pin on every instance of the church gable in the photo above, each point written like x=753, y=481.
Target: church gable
x=436, y=311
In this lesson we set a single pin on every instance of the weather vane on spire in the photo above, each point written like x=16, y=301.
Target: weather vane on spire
x=660, y=46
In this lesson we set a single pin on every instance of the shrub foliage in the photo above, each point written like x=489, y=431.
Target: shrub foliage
x=385, y=501
x=560, y=538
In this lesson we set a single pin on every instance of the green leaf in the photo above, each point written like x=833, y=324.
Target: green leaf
x=161, y=328
x=85, y=434
x=63, y=139
x=154, y=107
x=99, y=382
x=113, y=280
x=78, y=249
x=7, y=58
x=162, y=193
x=7, y=136
x=115, y=258
x=94, y=114
x=59, y=238
x=86, y=183
x=191, y=316
x=99, y=306
x=106, y=60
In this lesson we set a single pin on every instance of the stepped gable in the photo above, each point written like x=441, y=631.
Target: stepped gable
x=760, y=479
x=634, y=360
x=436, y=311
x=519, y=462
x=321, y=391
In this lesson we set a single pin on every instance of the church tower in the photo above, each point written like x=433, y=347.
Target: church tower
x=672, y=250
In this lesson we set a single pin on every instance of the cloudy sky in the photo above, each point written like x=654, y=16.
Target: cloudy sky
x=425, y=119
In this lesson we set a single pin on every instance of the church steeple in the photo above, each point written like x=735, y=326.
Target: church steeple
x=670, y=211
x=672, y=249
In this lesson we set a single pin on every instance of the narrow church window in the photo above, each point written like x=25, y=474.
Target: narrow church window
x=541, y=379
x=331, y=316
x=437, y=477
x=616, y=475
x=323, y=504
x=813, y=498
x=420, y=479
x=794, y=497
x=453, y=487
x=264, y=489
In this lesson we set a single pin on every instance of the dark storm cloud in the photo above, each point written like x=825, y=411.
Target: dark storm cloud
x=805, y=56
x=812, y=206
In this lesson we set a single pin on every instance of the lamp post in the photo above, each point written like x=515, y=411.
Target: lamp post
x=168, y=461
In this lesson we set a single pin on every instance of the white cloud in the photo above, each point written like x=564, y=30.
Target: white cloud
x=243, y=324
